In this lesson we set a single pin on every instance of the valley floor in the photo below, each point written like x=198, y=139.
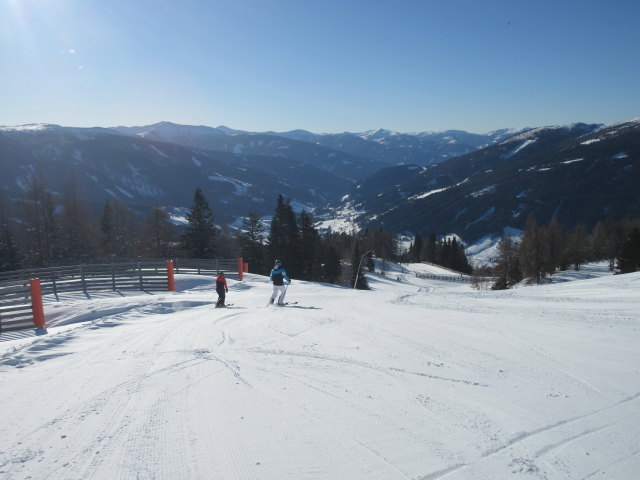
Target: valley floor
x=414, y=379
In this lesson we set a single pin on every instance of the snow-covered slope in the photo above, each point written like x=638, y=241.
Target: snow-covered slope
x=415, y=379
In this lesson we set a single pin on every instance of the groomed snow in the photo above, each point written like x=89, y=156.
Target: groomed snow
x=415, y=379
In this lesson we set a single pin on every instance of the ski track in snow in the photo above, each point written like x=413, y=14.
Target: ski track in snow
x=419, y=379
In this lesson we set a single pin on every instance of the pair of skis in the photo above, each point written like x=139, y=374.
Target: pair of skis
x=286, y=287
x=283, y=304
x=274, y=304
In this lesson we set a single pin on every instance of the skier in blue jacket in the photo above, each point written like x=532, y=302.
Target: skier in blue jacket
x=278, y=276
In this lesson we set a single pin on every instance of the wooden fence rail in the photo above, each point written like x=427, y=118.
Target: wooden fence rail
x=455, y=277
x=149, y=275
x=447, y=278
x=15, y=306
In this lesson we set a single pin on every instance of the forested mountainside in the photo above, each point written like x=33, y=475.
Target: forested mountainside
x=579, y=173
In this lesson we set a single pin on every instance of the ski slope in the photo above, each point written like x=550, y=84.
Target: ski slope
x=414, y=379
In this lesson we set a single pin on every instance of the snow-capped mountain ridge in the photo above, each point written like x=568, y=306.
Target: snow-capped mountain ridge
x=142, y=172
x=580, y=173
x=381, y=179
x=380, y=145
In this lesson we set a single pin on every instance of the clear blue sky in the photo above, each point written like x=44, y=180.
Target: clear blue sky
x=322, y=65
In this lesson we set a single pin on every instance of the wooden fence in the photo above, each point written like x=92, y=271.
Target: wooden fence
x=15, y=306
x=454, y=277
x=447, y=278
x=147, y=275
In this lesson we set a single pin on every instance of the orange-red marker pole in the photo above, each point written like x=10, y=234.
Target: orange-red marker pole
x=36, y=302
x=171, y=281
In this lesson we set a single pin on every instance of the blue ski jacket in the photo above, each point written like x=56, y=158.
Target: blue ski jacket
x=277, y=276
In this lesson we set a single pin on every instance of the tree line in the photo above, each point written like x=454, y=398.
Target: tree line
x=546, y=249
x=447, y=252
x=49, y=230
x=332, y=257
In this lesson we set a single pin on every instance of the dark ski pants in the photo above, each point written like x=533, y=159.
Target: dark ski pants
x=221, y=296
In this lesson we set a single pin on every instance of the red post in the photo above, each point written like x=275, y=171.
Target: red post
x=245, y=267
x=240, y=269
x=171, y=281
x=36, y=303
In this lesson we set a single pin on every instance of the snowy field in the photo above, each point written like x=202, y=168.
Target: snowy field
x=415, y=379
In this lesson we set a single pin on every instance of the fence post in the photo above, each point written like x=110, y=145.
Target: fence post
x=36, y=305
x=82, y=279
x=171, y=281
x=245, y=267
x=113, y=276
x=240, y=269
x=140, y=274
x=53, y=281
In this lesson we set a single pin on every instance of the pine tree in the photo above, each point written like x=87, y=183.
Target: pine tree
x=531, y=252
x=199, y=238
x=127, y=231
x=78, y=232
x=119, y=228
x=41, y=223
x=159, y=235
x=251, y=241
x=371, y=266
x=430, y=249
x=606, y=239
x=415, y=250
x=460, y=260
x=629, y=253
x=577, y=247
x=107, y=243
x=283, y=237
x=554, y=251
x=9, y=256
x=309, y=248
x=331, y=266
x=384, y=244
x=507, y=269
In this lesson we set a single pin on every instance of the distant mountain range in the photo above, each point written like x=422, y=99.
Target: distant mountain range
x=580, y=173
x=238, y=171
x=378, y=147
x=141, y=172
x=447, y=182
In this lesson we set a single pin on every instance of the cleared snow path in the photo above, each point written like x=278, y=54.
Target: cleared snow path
x=415, y=379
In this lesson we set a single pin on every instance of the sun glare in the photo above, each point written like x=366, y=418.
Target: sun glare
x=34, y=26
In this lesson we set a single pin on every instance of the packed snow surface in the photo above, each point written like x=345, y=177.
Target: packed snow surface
x=414, y=379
